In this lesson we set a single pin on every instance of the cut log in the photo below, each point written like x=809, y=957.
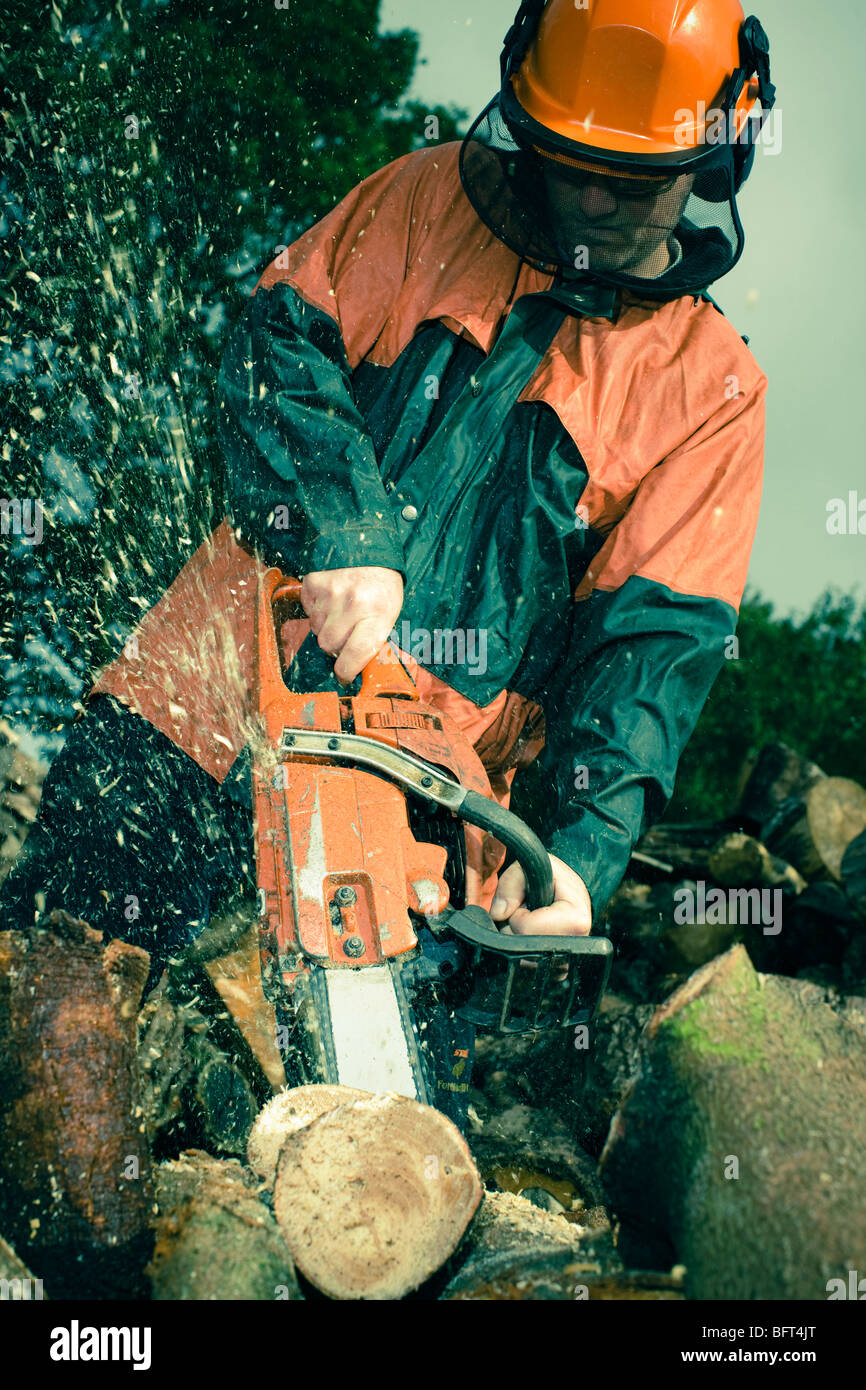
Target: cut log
x=216, y=1240
x=165, y=1065
x=75, y=1190
x=685, y=847
x=854, y=874
x=812, y=832
x=738, y=1148
x=285, y=1114
x=739, y=861
x=515, y=1253
x=374, y=1197
x=225, y=1105
x=195, y=1093
x=768, y=778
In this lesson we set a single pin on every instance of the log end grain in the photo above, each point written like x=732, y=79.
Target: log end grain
x=374, y=1197
x=290, y=1111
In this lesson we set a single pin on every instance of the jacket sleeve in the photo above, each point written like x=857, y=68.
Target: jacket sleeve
x=650, y=632
x=302, y=480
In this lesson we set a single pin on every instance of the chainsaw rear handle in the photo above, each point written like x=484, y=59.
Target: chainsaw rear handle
x=381, y=676
x=512, y=832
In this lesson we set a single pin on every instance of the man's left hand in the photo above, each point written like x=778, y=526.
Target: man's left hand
x=570, y=913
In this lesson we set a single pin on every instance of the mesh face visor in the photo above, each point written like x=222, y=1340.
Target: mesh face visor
x=652, y=227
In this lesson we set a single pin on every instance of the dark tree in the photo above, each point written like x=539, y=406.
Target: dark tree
x=156, y=155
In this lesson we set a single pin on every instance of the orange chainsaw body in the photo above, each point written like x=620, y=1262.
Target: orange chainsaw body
x=323, y=827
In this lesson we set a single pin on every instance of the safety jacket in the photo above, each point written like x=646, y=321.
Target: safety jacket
x=567, y=479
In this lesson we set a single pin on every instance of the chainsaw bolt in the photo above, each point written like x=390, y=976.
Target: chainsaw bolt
x=354, y=946
x=426, y=780
x=333, y=743
x=346, y=894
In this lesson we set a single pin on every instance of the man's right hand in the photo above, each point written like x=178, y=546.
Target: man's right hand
x=352, y=612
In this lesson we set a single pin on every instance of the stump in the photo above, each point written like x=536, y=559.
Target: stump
x=75, y=1190
x=373, y=1197
x=738, y=1148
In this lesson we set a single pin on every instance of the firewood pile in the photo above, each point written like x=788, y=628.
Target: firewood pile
x=700, y=1140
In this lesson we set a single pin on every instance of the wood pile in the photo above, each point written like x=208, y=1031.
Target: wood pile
x=785, y=875
x=699, y=1141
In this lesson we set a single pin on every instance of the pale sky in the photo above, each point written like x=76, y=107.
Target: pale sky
x=798, y=292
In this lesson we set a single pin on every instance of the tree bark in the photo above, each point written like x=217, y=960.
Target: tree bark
x=75, y=1185
x=768, y=778
x=738, y=1148
x=216, y=1239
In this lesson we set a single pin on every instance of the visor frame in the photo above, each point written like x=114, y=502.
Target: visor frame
x=663, y=288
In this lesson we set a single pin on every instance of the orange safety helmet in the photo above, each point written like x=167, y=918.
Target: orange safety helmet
x=637, y=80
x=658, y=104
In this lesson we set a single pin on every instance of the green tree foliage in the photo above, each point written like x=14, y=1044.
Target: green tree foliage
x=799, y=681
x=155, y=155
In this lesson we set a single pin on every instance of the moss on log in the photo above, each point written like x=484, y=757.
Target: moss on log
x=738, y=1148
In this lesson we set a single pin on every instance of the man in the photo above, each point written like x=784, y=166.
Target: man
x=489, y=394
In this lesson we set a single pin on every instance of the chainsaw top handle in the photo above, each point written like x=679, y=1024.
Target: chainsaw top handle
x=382, y=675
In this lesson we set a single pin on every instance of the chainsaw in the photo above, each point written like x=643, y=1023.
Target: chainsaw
x=366, y=810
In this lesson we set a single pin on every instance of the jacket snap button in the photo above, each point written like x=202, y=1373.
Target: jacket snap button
x=476, y=387
x=409, y=513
